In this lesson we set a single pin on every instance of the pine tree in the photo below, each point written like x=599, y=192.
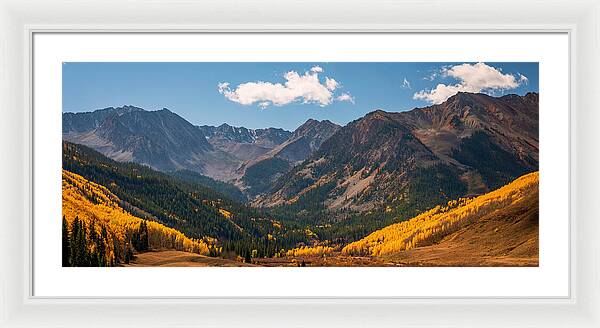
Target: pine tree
x=102, y=256
x=76, y=244
x=92, y=256
x=143, y=235
x=128, y=253
x=66, y=243
x=80, y=254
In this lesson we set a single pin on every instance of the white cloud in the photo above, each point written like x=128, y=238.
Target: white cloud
x=432, y=76
x=406, y=84
x=471, y=78
x=523, y=79
x=346, y=97
x=439, y=94
x=223, y=86
x=331, y=84
x=305, y=88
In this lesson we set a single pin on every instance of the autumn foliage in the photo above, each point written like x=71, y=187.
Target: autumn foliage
x=99, y=232
x=310, y=251
x=431, y=226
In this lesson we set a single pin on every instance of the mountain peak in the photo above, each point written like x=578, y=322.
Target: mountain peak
x=86, y=121
x=120, y=110
x=462, y=99
x=309, y=123
x=534, y=96
x=131, y=108
x=378, y=114
x=464, y=96
x=312, y=124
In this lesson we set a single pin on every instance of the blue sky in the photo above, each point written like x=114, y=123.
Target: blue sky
x=258, y=95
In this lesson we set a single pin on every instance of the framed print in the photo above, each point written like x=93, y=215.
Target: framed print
x=271, y=166
x=387, y=171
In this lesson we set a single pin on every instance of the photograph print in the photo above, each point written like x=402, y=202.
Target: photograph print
x=294, y=164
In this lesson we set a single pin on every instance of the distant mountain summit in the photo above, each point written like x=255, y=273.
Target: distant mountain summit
x=268, y=137
x=470, y=144
x=305, y=140
x=83, y=122
x=160, y=139
x=165, y=141
x=243, y=144
x=496, y=136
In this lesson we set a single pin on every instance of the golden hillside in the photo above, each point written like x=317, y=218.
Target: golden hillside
x=501, y=224
x=107, y=230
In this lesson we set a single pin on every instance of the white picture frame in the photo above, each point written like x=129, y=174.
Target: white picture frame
x=20, y=20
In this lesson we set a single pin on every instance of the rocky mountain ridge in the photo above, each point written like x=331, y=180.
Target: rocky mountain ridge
x=470, y=144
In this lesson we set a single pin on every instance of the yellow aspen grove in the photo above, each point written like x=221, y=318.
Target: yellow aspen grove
x=431, y=226
x=310, y=251
x=98, y=211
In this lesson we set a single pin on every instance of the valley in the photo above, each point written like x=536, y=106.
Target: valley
x=452, y=184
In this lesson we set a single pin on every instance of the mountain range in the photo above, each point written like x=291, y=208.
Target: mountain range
x=448, y=184
x=165, y=141
x=387, y=161
x=468, y=145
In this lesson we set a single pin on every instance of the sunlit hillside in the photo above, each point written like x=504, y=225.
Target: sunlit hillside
x=432, y=226
x=92, y=216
